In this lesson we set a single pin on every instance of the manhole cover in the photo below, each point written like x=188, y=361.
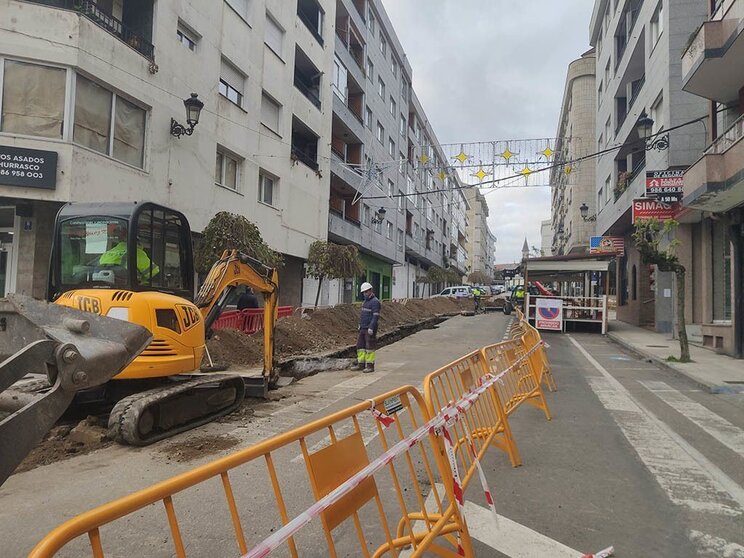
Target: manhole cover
x=658, y=346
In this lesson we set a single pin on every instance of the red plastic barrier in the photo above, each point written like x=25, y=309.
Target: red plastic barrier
x=249, y=320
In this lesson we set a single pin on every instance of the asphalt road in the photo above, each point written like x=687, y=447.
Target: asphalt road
x=634, y=457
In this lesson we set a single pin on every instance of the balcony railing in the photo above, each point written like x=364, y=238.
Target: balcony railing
x=105, y=21
x=304, y=157
x=728, y=138
x=307, y=91
x=635, y=89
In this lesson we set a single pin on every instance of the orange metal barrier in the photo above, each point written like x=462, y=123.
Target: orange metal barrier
x=332, y=449
x=485, y=422
x=522, y=384
x=539, y=358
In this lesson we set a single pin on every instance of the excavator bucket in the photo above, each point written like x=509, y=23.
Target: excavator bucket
x=66, y=349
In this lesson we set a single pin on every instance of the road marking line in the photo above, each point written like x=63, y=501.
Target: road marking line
x=708, y=545
x=686, y=475
x=722, y=430
x=507, y=537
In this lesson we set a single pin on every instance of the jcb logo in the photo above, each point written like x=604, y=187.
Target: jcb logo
x=189, y=316
x=89, y=304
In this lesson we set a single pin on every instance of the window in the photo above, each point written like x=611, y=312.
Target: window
x=340, y=80
x=162, y=237
x=33, y=99
x=600, y=141
x=383, y=44
x=380, y=87
x=232, y=82
x=129, y=133
x=370, y=69
x=92, y=127
x=607, y=73
x=394, y=66
x=608, y=130
x=380, y=133
x=226, y=170
x=402, y=125
x=401, y=201
x=270, y=113
x=657, y=25
x=267, y=188
x=304, y=144
x=186, y=37
x=240, y=6
x=404, y=89
x=600, y=198
x=599, y=94
x=393, y=106
x=366, y=215
x=389, y=231
x=607, y=188
x=311, y=14
x=371, y=22
x=274, y=36
x=400, y=239
x=307, y=77
x=391, y=188
x=368, y=118
x=634, y=283
x=657, y=114
x=721, y=264
x=391, y=147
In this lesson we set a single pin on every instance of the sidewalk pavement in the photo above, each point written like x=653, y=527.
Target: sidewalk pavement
x=718, y=373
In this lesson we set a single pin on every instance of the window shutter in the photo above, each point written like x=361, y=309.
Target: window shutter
x=273, y=35
x=232, y=76
x=270, y=113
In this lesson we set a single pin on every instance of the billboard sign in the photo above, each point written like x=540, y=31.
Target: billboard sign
x=649, y=208
x=30, y=168
x=599, y=245
x=549, y=313
x=666, y=186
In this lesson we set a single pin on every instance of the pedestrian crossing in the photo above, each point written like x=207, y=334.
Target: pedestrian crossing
x=709, y=496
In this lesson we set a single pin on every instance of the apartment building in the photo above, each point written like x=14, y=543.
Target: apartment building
x=480, y=244
x=384, y=163
x=639, y=46
x=573, y=185
x=89, y=90
x=546, y=237
x=713, y=69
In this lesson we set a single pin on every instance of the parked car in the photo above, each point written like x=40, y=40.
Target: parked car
x=457, y=292
x=497, y=289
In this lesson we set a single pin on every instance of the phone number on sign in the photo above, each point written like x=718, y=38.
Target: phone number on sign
x=21, y=174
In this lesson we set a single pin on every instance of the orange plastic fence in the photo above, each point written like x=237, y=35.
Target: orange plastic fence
x=249, y=320
x=332, y=449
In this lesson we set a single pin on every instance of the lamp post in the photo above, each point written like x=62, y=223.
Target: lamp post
x=584, y=210
x=193, y=111
x=644, y=127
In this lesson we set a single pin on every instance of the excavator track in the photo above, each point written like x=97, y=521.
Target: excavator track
x=149, y=416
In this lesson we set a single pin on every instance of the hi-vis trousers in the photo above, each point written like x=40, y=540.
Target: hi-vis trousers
x=366, y=345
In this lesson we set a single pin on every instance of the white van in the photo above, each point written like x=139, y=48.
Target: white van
x=457, y=292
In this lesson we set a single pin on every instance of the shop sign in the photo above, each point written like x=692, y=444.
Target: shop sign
x=666, y=186
x=549, y=313
x=28, y=167
x=649, y=208
x=599, y=245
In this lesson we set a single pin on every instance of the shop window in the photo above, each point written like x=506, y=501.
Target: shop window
x=33, y=99
x=721, y=276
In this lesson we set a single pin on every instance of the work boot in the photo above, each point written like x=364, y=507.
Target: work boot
x=369, y=367
x=357, y=366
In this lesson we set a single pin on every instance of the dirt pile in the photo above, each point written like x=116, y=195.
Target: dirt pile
x=324, y=329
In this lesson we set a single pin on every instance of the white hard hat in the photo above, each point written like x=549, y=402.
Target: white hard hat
x=365, y=287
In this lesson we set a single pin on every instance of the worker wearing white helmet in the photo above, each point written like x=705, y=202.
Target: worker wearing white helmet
x=367, y=338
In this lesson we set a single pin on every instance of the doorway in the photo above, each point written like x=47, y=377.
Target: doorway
x=7, y=247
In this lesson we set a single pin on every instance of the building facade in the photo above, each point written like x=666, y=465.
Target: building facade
x=713, y=69
x=639, y=46
x=573, y=185
x=387, y=196
x=93, y=91
x=546, y=237
x=480, y=245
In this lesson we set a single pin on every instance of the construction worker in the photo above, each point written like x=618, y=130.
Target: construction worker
x=477, y=298
x=247, y=300
x=519, y=295
x=117, y=256
x=367, y=337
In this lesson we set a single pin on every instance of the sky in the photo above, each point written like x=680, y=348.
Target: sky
x=488, y=70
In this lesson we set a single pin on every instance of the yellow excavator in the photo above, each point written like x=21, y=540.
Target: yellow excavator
x=134, y=261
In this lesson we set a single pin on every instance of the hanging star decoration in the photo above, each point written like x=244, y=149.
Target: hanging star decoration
x=548, y=152
x=507, y=154
x=441, y=175
x=568, y=169
x=462, y=156
x=481, y=174
x=526, y=172
x=424, y=158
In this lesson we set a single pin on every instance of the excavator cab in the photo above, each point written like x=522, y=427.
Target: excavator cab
x=133, y=247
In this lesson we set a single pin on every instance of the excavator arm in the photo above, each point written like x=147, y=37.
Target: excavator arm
x=63, y=349
x=236, y=269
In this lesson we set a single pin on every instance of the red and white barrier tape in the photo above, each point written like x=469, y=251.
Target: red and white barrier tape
x=609, y=551
x=280, y=536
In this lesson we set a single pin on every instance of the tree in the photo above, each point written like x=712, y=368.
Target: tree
x=332, y=261
x=648, y=236
x=480, y=278
x=434, y=275
x=452, y=276
x=228, y=231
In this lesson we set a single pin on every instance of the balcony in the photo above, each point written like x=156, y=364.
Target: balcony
x=134, y=29
x=307, y=77
x=711, y=63
x=340, y=229
x=312, y=15
x=716, y=181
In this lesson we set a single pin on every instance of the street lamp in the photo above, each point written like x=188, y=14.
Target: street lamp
x=379, y=216
x=193, y=110
x=645, y=127
x=584, y=210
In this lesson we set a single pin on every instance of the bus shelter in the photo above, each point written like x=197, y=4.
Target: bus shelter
x=580, y=285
